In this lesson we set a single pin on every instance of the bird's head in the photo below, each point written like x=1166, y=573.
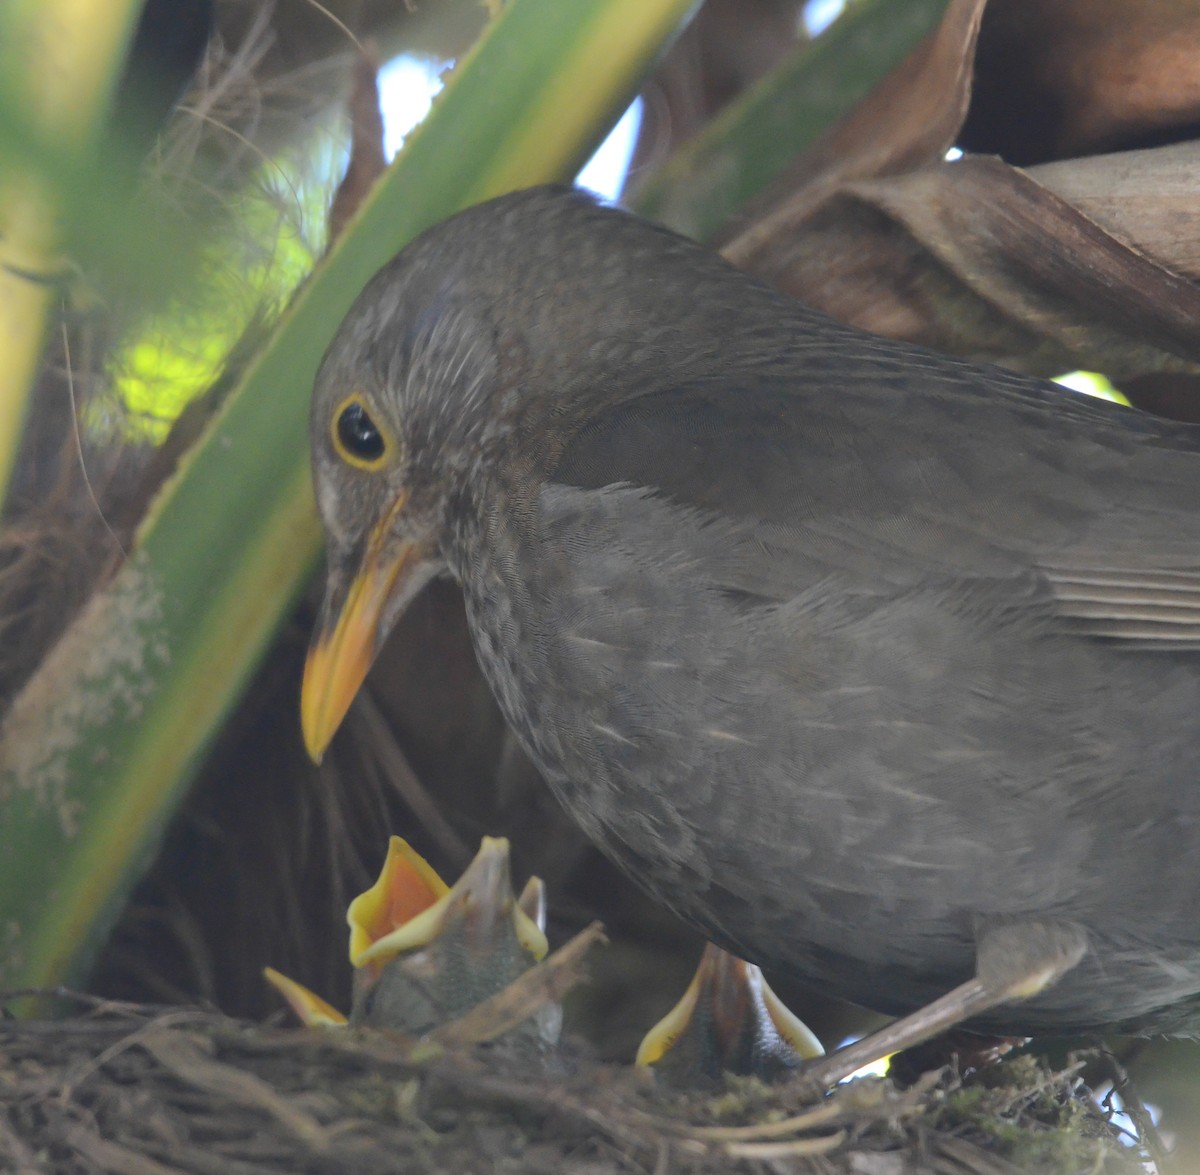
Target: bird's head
x=382, y=481
x=487, y=340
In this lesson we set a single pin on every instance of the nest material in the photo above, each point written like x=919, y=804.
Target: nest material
x=141, y=1090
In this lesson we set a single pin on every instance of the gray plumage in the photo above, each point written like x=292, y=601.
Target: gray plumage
x=845, y=650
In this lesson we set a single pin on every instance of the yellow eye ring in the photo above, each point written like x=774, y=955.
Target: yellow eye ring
x=357, y=438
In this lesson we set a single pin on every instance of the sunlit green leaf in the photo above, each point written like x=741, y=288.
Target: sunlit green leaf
x=98, y=750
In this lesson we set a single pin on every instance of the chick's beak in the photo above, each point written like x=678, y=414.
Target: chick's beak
x=349, y=635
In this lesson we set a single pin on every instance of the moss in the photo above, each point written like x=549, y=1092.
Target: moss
x=1037, y=1119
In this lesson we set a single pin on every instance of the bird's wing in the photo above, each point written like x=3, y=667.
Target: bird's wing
x=1093, y=508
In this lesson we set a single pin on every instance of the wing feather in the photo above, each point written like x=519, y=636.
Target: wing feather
x=884, y=488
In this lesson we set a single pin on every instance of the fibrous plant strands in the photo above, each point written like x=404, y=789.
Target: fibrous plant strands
x=124, y=1087
x=240, y=174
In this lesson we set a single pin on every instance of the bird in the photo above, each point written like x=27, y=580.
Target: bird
x=879, y=667
x=426, y=953
x=729, y=1020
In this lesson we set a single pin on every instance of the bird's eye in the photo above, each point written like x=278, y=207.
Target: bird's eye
x=356, y=437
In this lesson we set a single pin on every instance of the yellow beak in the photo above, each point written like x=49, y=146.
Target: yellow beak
x=342, y=650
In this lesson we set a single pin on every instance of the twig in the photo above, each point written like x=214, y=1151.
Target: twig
x=111, y=1156
x=182, y=1058
x=548, y=981
x=1147, y=1133
x=793, y=1149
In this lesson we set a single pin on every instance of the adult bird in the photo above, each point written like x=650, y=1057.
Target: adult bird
x=880, y=668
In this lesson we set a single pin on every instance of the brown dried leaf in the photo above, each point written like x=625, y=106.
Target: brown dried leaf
x=367, y=158
x=909, y=120
x=1056, y=78
x=1076, y=264
x=1148, y=199
x=978, y=258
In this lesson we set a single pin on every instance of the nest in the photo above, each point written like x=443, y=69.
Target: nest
x=146, y=1090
